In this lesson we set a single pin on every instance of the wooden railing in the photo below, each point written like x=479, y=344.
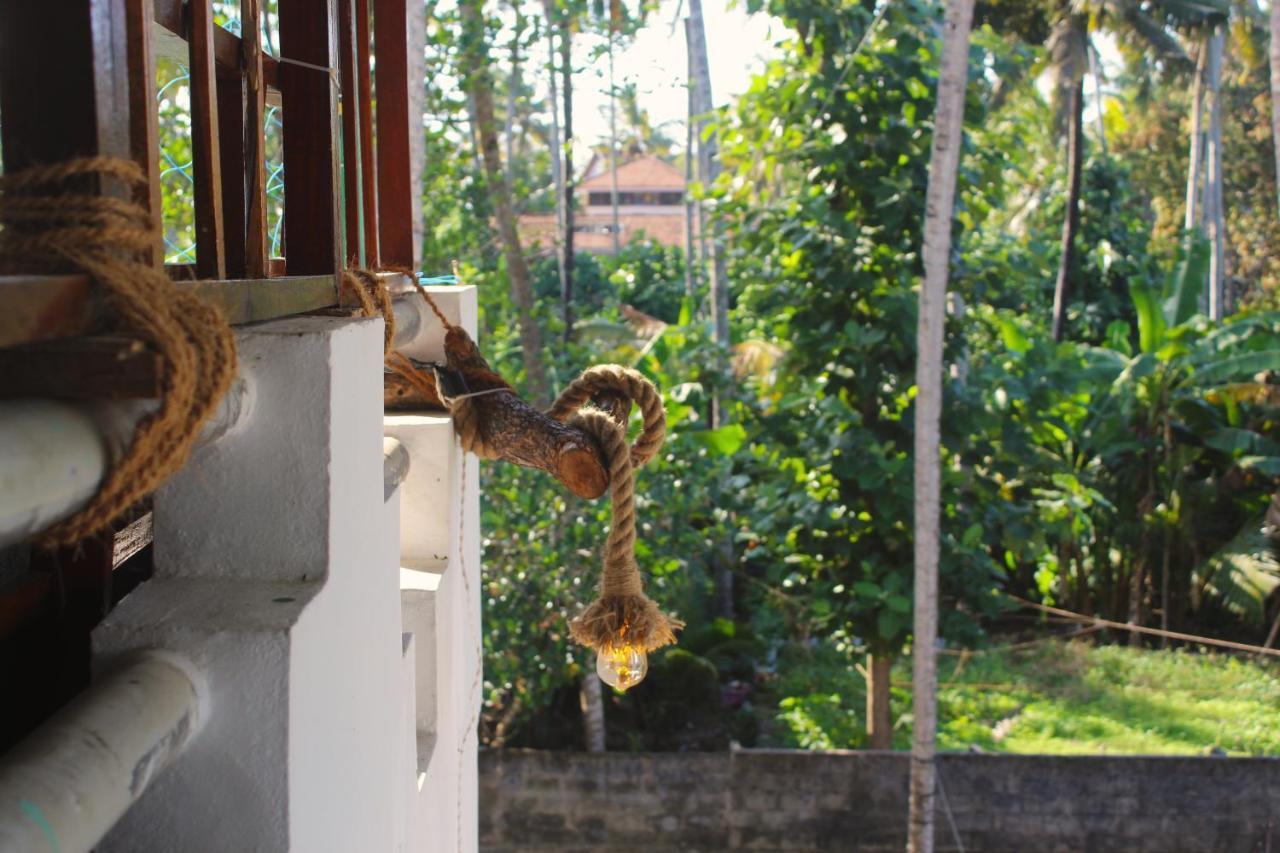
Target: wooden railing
x=83, y=83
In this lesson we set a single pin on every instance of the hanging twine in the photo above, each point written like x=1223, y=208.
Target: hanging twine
x=622, y=614
x=48, y=225
x=375, y=301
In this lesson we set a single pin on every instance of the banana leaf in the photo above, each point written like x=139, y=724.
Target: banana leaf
x=1243, y=573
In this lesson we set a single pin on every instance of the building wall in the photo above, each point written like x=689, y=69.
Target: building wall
x=764, y=800
x=336, y=621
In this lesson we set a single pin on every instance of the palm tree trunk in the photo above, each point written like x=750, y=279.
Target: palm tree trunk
x=1095, y=71
x=1071, y=223
x=690, y=287
x=944, y=162
x=613, y=148
x=879, y=711
x=1275, y=90
x=709, y=171
x=591, y=700
x=479, y=84
x=513, y=91
x=566, y=77
x=557, y=174
x=1195, y=166
x=1213, y=178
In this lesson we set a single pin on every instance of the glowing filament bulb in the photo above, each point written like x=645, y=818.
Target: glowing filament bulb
x=622, y=666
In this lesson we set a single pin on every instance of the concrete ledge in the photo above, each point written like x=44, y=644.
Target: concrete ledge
x=777, y=800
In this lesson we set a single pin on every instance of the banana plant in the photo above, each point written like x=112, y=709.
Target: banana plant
x=1185, y=391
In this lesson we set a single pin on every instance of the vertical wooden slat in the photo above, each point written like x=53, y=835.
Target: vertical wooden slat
x=64, y=84
x=206, y=165
x=368, y=167
x=351, y=183
x=395, y=191
x=231, y=156
x=256, y=242
x=313, y=239
x=143, y=120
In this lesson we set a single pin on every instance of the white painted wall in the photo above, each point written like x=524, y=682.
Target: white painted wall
x=332, y=726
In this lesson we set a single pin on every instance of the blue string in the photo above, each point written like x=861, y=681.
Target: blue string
x=439, y=279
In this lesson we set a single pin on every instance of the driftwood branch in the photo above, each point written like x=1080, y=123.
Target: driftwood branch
x=522, y=434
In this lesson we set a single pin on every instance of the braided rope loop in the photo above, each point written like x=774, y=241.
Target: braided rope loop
x=622, y=613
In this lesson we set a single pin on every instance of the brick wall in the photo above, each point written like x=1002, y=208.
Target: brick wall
x=765, y=800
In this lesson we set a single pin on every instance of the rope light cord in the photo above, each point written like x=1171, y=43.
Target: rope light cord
x=622, y=614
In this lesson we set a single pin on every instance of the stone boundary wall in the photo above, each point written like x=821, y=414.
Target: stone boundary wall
x=779, y=800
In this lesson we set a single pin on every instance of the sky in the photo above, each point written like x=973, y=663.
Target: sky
x=738, y=45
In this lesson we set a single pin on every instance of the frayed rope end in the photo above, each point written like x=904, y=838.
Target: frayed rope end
x=614, y=620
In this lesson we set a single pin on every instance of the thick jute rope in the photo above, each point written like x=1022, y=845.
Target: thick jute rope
x=49, y=225
x=622, y=614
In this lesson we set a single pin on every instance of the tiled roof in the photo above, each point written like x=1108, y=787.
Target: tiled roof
x=644, y=172
x=539, y=230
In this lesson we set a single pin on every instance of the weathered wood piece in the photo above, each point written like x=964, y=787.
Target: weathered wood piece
x=169, y=16
x=81, y=369
x=524, y=435
x=48, y=307
x=41, y=307
x=255, y=175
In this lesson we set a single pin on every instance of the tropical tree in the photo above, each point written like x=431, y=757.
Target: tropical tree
x=708, y=172
x=1143, y=27
x=829, y=221
x=479, y=84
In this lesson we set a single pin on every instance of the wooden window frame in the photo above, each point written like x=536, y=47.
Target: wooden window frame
x=97, y=62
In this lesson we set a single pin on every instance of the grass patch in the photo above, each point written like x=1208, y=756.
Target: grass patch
x=1060, y=698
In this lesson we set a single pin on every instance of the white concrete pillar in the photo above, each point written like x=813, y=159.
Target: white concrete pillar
x=276, y=574
x=440, y=606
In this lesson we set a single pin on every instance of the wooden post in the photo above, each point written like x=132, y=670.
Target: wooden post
x=232, y=104
x=73, y=55
x=312, y=220
x=257, y=245
x=397, y=197
x=352, y=186
x=206, y=167
x=368, y=167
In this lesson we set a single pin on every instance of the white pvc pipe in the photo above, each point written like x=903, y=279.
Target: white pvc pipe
x=54, y=454
x=66, y=785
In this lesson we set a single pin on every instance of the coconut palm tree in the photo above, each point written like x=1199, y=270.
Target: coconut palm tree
x=944, y=161
x=1275, y=87
x=1148, y=26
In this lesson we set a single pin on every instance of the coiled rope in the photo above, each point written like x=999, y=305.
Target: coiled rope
x=48, y=224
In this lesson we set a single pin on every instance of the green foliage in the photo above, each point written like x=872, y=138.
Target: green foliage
x=1121, y=474
x=828, y=206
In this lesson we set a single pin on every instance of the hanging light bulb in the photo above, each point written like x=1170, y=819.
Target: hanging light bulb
x=622, y=666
